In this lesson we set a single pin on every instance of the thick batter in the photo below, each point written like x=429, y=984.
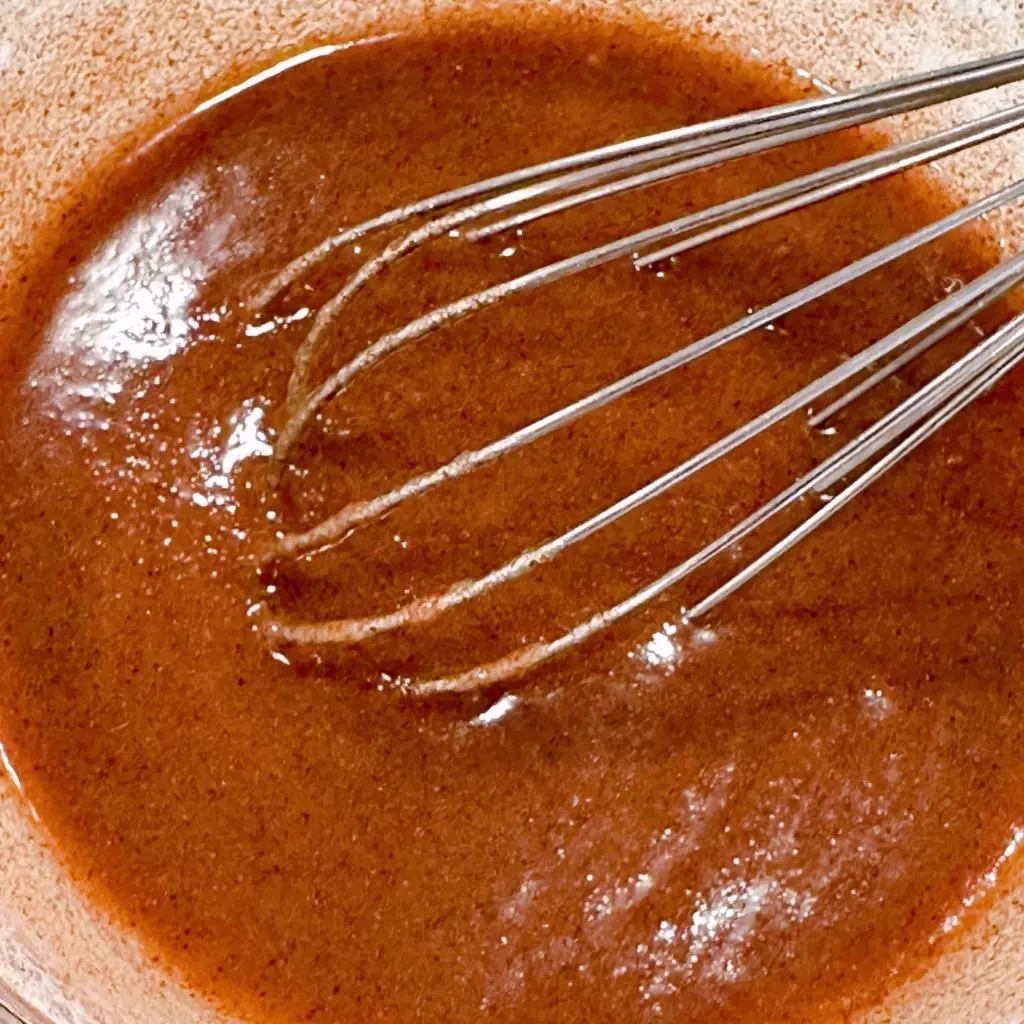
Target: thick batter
x=771, y=817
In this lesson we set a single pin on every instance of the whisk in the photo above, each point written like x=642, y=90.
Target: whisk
x=511, y=200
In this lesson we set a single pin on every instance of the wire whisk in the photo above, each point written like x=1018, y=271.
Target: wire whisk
x=512, y=200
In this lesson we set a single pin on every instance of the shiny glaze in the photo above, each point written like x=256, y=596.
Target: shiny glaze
x=772, y=815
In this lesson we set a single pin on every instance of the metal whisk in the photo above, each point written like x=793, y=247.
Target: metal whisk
x=512, y=200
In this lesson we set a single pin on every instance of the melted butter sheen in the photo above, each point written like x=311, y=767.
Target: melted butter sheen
x=770, y=817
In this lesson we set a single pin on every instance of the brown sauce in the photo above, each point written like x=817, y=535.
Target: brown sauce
x=772, y=816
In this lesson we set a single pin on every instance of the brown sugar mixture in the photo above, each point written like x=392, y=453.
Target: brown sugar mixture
x=772, y=814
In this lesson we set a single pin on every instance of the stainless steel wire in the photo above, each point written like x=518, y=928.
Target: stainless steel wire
x=512, y=200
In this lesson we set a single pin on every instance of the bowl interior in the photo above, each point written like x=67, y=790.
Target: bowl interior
x=81, y=77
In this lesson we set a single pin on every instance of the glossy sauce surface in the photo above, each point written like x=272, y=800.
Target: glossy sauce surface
x=770, y=815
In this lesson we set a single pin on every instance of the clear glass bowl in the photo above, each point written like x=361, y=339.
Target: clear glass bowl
x=77, y=77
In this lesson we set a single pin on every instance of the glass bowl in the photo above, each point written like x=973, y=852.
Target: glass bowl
x=78, y=77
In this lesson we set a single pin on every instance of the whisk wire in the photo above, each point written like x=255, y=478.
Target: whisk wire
x=335, y=526
x=519, y=197
x=975, y=373
x=423, y=610
x=694, y=230
x=903, y=94
x=977, y=385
